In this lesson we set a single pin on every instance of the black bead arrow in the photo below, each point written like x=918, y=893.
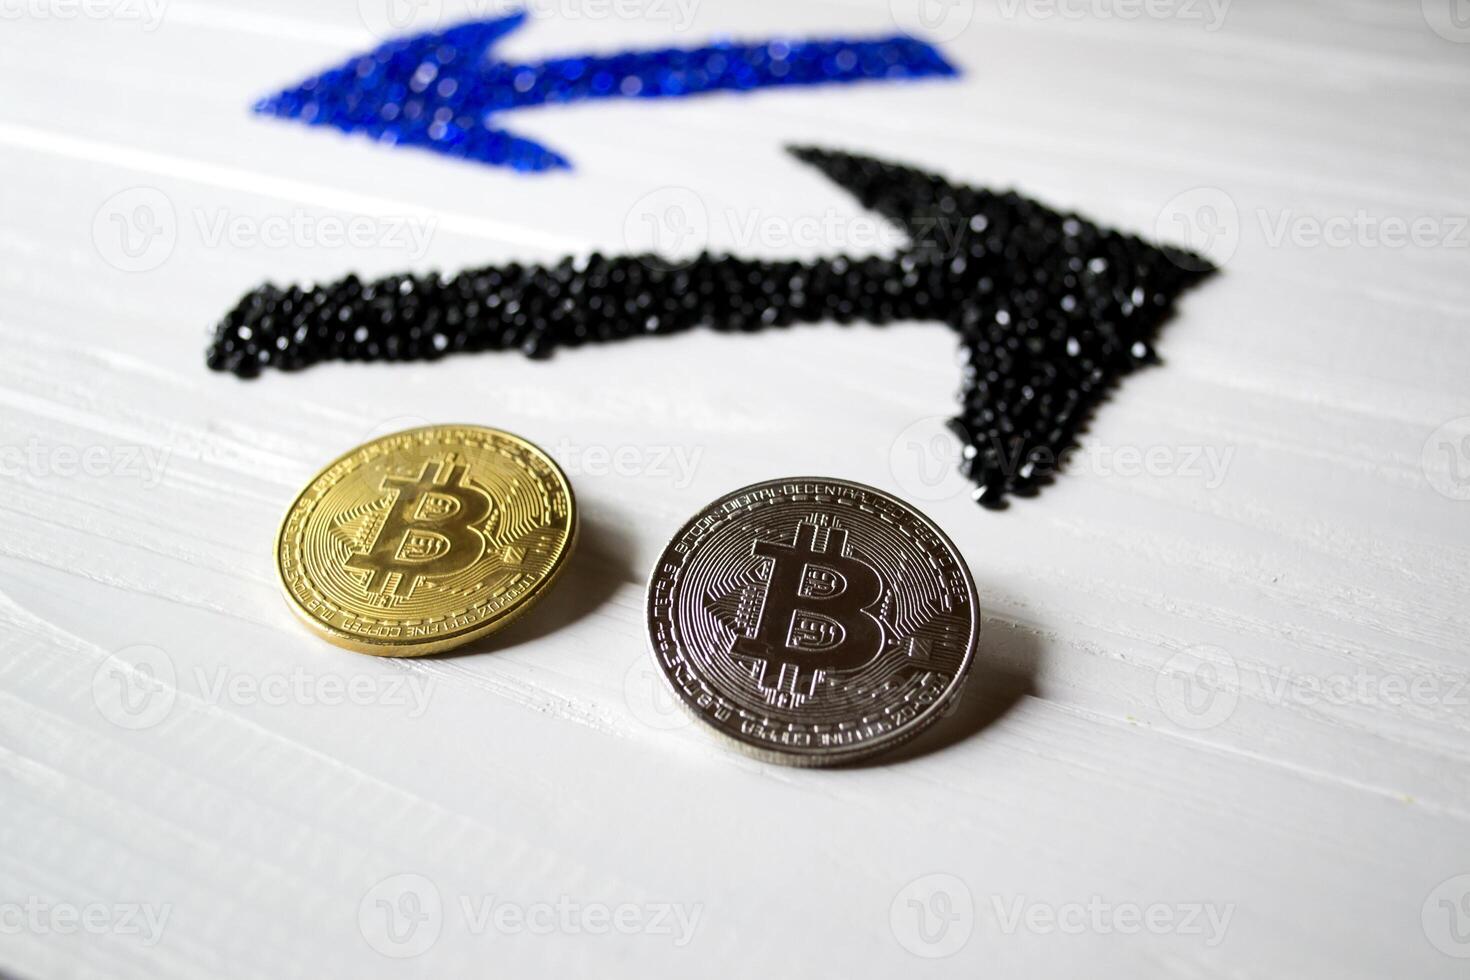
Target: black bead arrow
x=1051, y=309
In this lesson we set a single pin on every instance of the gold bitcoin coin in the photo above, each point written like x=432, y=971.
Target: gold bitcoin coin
x=422, y=540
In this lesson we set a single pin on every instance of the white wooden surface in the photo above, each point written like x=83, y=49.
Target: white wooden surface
x=1253, y=825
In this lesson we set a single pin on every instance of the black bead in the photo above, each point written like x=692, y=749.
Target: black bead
x=1050, y=309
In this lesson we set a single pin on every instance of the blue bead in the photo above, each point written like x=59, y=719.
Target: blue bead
x=415, y=90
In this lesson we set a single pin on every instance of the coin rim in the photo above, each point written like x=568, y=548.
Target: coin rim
x=408, y=648
x=824, y=758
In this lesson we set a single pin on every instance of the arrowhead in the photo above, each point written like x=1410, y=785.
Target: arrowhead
x=426, y=90
x=440, y=90
x=1052, y=310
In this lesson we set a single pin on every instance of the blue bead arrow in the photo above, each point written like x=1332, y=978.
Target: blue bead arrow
x=441, y=90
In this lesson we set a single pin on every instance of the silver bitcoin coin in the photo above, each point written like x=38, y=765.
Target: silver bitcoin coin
x=813, y=621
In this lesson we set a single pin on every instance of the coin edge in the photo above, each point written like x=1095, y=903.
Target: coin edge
x=807, y=760
x=406, y=650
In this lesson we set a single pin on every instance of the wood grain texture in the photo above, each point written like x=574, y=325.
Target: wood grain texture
x=141, y=494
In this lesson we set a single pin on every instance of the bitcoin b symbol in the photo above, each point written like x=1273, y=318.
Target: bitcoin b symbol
x=432, y=529
x=814, y=618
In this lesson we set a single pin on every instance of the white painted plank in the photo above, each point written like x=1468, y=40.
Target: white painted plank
x=1305, y=544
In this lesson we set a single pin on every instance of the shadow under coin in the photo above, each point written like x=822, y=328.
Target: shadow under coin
x=595, y=570
x=1007, y=661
